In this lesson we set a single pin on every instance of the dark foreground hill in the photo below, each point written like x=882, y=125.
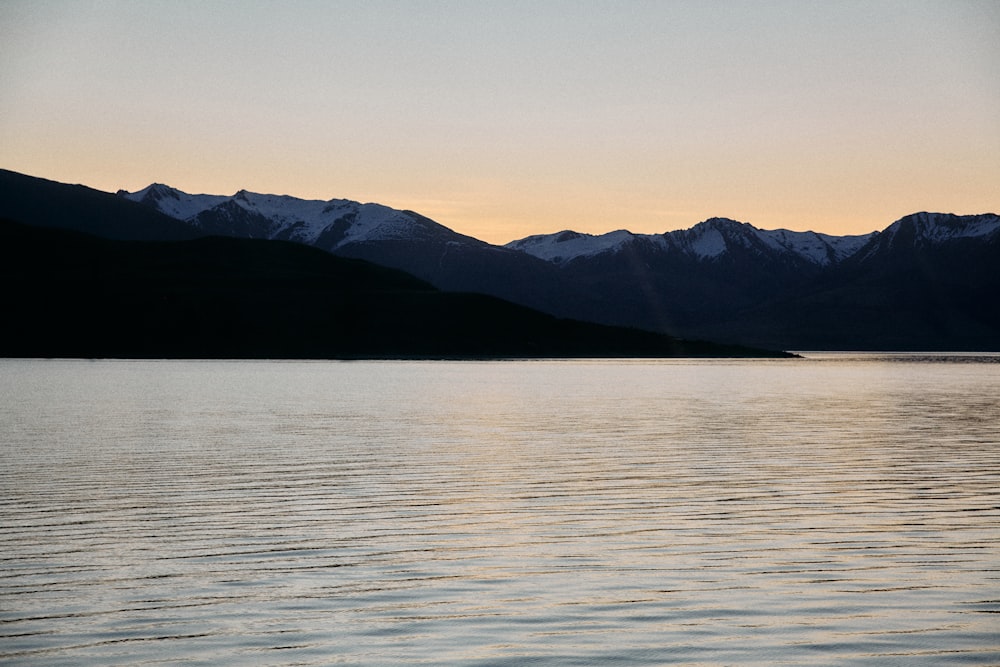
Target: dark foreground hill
x=70, y=294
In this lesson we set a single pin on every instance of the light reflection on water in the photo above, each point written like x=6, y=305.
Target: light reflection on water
x=830, y=510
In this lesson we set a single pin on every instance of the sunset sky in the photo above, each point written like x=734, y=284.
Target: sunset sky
x=504, y=119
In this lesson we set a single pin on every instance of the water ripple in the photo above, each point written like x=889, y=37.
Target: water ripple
x=804, y=512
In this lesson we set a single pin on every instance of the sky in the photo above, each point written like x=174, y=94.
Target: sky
x=505, y=119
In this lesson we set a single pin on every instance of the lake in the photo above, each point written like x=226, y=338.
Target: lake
x=836, y=509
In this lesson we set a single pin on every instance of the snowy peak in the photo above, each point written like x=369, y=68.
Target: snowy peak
x=565, y=246
x=327, y=224
x=159, y=191
x=706, y=241
x=724, y=225
x=711, y=238
x=821, y=249
x=940, y=227
x=154, y=195
x=171, y=201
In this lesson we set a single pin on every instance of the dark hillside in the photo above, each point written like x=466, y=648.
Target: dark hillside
x=74, y=295
x=900, y=294
x=37, y=201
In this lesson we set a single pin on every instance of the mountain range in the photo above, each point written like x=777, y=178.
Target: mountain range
x=927, y=281
x=71, y=293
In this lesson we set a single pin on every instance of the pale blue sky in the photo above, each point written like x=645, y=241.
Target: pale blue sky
x=502, y=119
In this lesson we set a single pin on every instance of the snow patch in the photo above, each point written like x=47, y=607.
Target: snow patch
x=173, y=202
x=566, y=246
x=939, y=227
x=708, y=244
x=822, y=249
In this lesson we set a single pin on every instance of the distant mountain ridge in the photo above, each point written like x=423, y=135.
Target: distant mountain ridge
x=721, y=279
x=336, y=223
x=706, y=240
x=927, y=281
x=327, y=225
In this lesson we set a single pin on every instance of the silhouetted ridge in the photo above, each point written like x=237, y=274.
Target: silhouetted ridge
x=75, y=207
x=76, y=295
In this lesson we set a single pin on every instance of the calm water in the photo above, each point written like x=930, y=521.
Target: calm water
x=830, y=510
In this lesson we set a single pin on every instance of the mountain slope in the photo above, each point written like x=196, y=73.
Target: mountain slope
x=928, y=282
x=679, y=280
x=76, y=207
x=399, y=239
x=327, y=225
x=75, y=295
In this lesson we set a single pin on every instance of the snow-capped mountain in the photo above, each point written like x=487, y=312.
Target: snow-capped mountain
x=565, y=246
x=329, y=225
x=928, y=230
x=927, y=278
x=706, y=240
x=943, y=227
x=398, y=239
x=712, y=238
